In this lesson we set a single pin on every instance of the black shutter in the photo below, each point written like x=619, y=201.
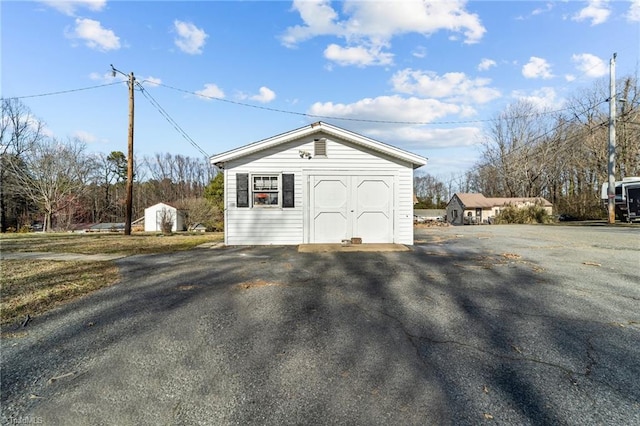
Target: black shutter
x=287, y=190
x=242, y=189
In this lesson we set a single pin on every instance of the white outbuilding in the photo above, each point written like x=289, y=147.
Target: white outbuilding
x=160, y=213
x=318, y=184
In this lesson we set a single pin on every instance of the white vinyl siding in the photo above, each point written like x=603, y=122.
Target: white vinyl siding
x=283, y=226
x=404, y=206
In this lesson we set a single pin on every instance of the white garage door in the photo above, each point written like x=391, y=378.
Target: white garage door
x=342, y=207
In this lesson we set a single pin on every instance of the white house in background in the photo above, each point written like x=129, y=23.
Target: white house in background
x=318, y=184
x=469, y=208
x=154, y=216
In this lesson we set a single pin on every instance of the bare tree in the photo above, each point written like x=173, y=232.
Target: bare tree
x=54, y=175
x=560, y=156
x=166, y=219
x=513, y=150
x=19, y=130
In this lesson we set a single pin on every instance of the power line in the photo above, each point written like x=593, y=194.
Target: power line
x=282, y=111
x=171, y=121
x=328, y=117
x=61, y=92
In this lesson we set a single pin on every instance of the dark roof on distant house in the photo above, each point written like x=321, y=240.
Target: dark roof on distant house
x=111, y=226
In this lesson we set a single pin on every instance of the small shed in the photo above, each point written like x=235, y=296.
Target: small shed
x=160, y=213
x=318, y=184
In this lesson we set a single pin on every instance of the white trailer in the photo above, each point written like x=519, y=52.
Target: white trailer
x=627, y=198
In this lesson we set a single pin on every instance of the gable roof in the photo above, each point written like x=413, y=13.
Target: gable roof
x=473, y=200
x=478, y=200
x=311, y=129
x=163, y=205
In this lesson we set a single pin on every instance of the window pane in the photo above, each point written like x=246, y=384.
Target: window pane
x=265, y=183
x=273, y=199
x=265, y=191
x=265, y=198
x=257, y=183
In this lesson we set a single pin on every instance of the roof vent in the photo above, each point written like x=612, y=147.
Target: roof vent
x=320, y=147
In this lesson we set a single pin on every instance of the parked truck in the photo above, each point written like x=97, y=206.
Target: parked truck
x=627, y=198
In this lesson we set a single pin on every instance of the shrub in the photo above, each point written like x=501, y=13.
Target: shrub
x=524, y=215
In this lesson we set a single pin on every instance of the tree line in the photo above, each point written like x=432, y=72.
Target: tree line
x=560, y=155
x=526, y=151
x=58, y=184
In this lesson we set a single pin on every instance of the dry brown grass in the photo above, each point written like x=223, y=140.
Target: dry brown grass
x=104, y=243
x=34, y=287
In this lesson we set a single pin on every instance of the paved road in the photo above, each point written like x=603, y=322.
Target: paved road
x=474, y=325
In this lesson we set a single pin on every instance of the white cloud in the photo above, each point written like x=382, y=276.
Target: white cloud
x=485, y=64
x=69, y=7
x=318, y=17
x=96, y=76
x=570, y=77
x=421, y=137
x=420, y=52
x=84, y=136
x=368, y=27
x=537, y=68
x=453, y=86
x=544, y=98
x=633, y=14
x=597, y=11
x=108, y=77
x=358, y=55
x=540, y=10
x=387, y=19
x=403, y=111
x=590, y=65
x=266, y=95
x=452, y=167
x=94, y=35
x=149, y=81
x=388, y=108
x=211, y=91
x=190, y=39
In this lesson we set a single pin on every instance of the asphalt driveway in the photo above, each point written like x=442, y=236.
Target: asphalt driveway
x=473, y=325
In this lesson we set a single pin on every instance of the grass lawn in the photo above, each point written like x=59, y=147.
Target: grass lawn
x=142, y=243
x=34, y=287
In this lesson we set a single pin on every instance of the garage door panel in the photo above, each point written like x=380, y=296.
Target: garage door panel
x=373, y=200
x=343, y=207
x=331, y=194
x=330, y=227
x=373, y=194
x=329, y=204
x=373, y=227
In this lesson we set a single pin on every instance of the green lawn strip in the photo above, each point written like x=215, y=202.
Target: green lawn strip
x=34, y=287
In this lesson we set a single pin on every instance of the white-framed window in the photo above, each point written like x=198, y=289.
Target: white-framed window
x=265, y=190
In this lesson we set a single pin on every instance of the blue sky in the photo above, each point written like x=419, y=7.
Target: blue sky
x=267, y=67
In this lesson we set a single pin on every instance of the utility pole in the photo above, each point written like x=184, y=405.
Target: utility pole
x=129, y=199
x=611, y=189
